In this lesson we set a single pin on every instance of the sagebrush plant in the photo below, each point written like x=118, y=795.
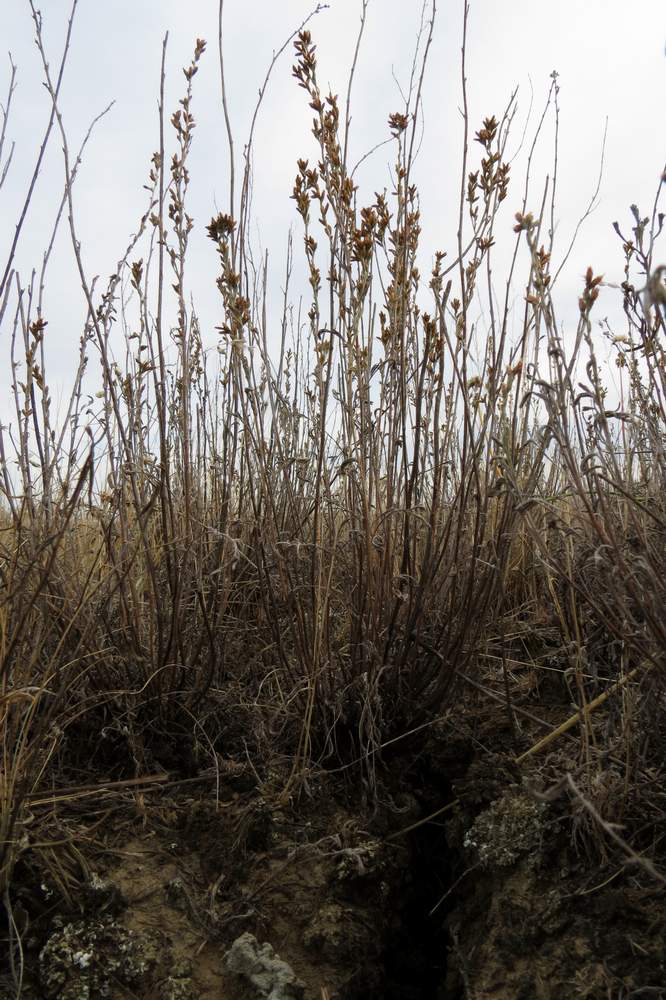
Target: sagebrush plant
x=334, y=521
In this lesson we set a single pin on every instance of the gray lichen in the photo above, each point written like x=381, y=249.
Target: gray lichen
x=179, y=985
x=511, y=827
x=81, y=960
x=272, y=978
x=100, y=897
x=179, y=989
x=359, y=861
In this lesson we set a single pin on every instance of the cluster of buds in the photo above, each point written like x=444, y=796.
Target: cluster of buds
x=199, y=50
x=325, y=131
x=433, y=341
x=437, y=276
x=512, y=372
x=307, y=189
x=397, y=124
x=541, y=260
x=325, y=126
x=487, y=134
x=375, y=220
x=590, y=292
x=329, y=185
x=183, y=124
x=220, y=229
x=137, y=274
x=524, y=223
x=36, y=328
x=305, y=68
x=494, y=174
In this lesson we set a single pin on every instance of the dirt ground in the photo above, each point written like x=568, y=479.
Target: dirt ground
x=500, y=895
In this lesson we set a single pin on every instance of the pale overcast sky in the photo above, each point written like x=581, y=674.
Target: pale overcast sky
x=609, y=55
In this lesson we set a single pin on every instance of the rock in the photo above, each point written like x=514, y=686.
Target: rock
x=272, y=978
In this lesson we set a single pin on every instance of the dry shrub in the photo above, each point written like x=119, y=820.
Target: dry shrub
x=335, y=519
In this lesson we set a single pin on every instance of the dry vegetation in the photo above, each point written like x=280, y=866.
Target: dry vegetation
x=353, y=515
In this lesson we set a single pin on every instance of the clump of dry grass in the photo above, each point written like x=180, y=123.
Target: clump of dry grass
x=339, y=528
